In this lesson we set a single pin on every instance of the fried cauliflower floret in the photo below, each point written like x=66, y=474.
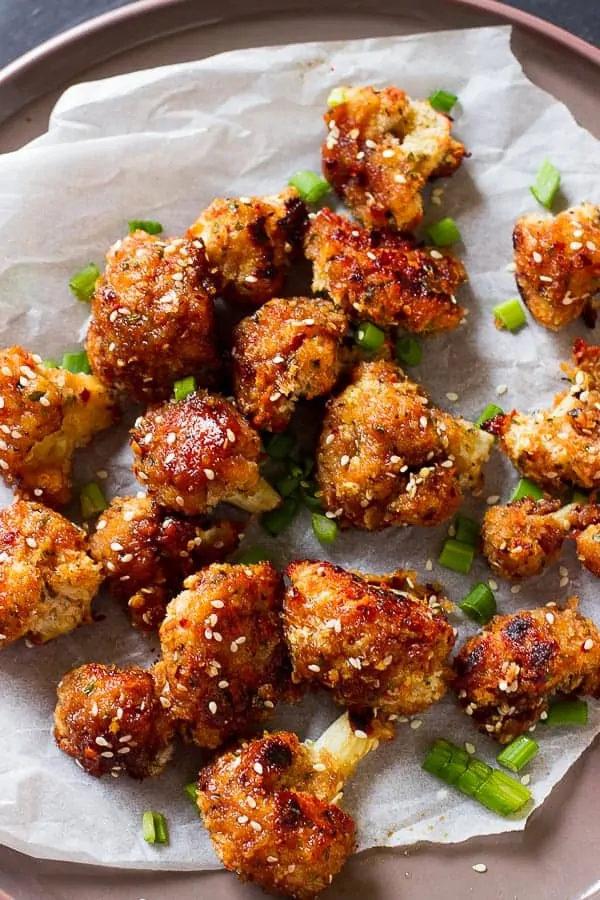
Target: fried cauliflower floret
x=110, y=720
x=505, y=676
x=286, y=350
x=152, y=317
x=146, y=553
x=197, y=452
x=524, y=537
x=382, y=277
x=251, y=242
x=557, y=262
x=384, y=455
x=45, y=415
x=371, y=645
x=47, y=579
x=270, y=807
x=224, y=661
x=586, y=532
x=381, y=149
x=560, y=446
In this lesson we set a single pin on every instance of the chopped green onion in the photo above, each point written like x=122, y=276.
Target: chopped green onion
x=527, y=488
x=92, y=500
x=479, y=604
x=148, y=225
x=369, y=337
x=567, y=712
x=336, y=97
x=49, y=364
x=457, y=556
x=154, y=828
x=490, y=787
x=253, y=555
x=191, y=791
x=184, y=387
x=489, y=412
x=546, y=184
x=518, y=753
x=77, y=363
x=279, y=446
x=510, y=314
x=307, y=495
x=408, y=351
x=288, y=484
x=578, y=497
x=444, y=232
x=310, y=186
x=466, y=530
x=325, y=529
x=83, y=283
x=278, y=519
x=442, y=100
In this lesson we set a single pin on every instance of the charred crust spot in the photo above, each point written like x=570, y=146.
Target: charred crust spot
x=276, y=755
x=518, y=628
x=258, y=232
x=292, y=815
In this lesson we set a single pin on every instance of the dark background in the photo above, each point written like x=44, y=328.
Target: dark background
x=25, y=23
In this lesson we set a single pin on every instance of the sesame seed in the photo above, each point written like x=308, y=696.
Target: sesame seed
x=450, y=395
x=470, y=748
x=212, y=707
x=171, y=437
x=313, y=667
x=429, y=565
x=251, y=279
x=587, y=645
x=401, y=179
x=359, y=733
x=31, y=543
x=543, y=716
x=549, y=618
x=525, y=779
x=501, y=389
x=233, y=647
x=546, y=279
x=344, y=460
x=230, y=436
x=101, y=524
x=447, y=464
x=258, y=768
x=479, y=867
x=515, y=589
x=102, y=742
x=576, y=245
x=272, y=859
x=537, y=257
x=269, y=704
x=116, y=546
x=108, y=754
x=251, y=802
x=387, y=154
x=256, y=826
x=564, y=581
x=123, y=750
x=492, y=499
x=94, y=712
x=416, y=723
x=275, y=396
x=165, y=702
x=329, y=439
x=435, y=254
x=3, y=464
x=590, y=245
x=493, y=584
x=319, y=767
x=242, y=820
x=423, y=421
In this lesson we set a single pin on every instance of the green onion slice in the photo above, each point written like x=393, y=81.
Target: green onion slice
x=442, y=100
x=278, y=519
x=444, y=233
x=183, y=387
x=369, y=337
x=510, y=314
x=77, y=363
x=92, y=500
x=518, y=753
x=325, y=529
x=457, y=556
x=489, y=412
x=581, y=499
x=253, y=555
x=279, y=446
x=408, y=351
x=154, y=828
x=527, y=488
x=307, y=496
x=567, y=712
x=83, y=282
x=479, y=604
x=148, y=225
x=288, y=484
x=191, y=791
x=336, y=97
x=310, y=186
x=467, y=530
x=546, y=184
x=50, y=364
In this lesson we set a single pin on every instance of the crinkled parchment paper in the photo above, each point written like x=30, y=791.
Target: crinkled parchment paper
x=161, y=144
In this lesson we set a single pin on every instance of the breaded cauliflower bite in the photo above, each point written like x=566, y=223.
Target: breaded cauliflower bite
x=45, y=415
x=286, y=350
x=152, y=317
x=251, y=242
x=524, y=537
x=270, y=808
x=47, y=579
x=382, y=277
x=560, y=446
x=557, y=262
x=110, y=720
x=505, y=676
x=224, y=661
x=587, y=537
x=381, y=149
x=146, y=553
x=386, y=456
x=197, y=452
x=372, y=645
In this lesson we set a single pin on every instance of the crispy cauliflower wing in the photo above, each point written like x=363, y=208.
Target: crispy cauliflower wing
x=110, y=720
x=382, y=277
x=557, y=262
x=389, y=462
x=381, y=149
x=224, y=661
x=47, y=579
x=560, y=446
x=198, y=452
x=370, y=644
x=586, y=532
x=251, y=242
x=505, y=676
x=146, y=552
x=152, y=317
x=45, y=415
x=286, y=350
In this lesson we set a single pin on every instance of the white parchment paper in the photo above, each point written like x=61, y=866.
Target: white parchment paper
x=161, y=144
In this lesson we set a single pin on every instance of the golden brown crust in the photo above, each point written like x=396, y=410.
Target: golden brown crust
x=588, y=548
x=251, y=241
x=110, y=721
x=381, y=149
x=505, y=676
x=557, y=262
x=146, y=552
x=45, y=414
x=370, y=644
x=267, y=822
x=47, y=579
x=381, y=277
x=224, y=661
x=288, y=349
